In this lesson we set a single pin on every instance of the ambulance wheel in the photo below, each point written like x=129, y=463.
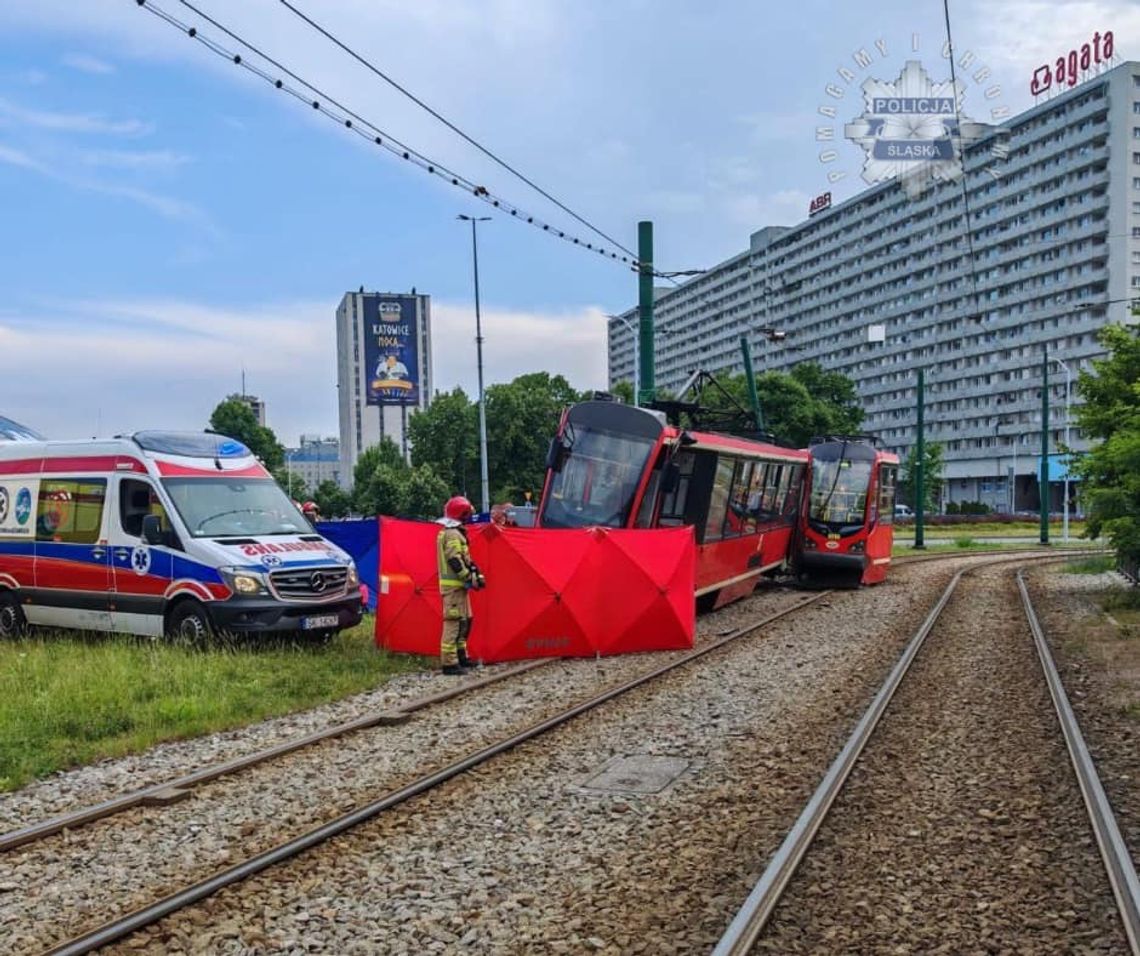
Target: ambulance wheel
x=189, y=624
x=12, y=621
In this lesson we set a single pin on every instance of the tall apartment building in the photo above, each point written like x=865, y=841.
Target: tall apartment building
x=383, y=348
x=1055, y=247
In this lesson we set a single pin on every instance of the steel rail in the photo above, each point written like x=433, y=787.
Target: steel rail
x=1113, y=850
x=170, y=790
x=754, y=913
x=131, y=922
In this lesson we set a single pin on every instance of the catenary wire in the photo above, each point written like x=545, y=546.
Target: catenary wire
x=367, y=129
x=446, y=122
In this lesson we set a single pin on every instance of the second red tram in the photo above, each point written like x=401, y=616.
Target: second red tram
x=847, y=529
x=621, y=466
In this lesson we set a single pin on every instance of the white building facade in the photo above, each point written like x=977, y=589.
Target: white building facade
x=1055, y=242
x=383, y=343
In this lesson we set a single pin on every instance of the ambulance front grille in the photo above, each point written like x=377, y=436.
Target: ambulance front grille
x=309, y=584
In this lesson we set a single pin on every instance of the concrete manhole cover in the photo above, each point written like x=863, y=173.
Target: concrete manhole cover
x=637, y=774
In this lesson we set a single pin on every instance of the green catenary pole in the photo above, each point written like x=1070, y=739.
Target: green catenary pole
x=920, y=469
x=1043, y=478
x=646, y=387
x=750, y=377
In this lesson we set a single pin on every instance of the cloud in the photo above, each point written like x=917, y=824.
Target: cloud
x=145, y=160
x=124, y=365
x=92, y=123
x=166, y=206
x=87, y=64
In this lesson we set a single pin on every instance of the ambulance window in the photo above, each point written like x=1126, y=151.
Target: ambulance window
x=70, y=510
x=137, y=499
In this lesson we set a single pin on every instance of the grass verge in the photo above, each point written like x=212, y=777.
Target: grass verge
x=1096, y=564
x=68, y=699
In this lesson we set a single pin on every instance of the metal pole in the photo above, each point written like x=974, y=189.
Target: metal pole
x=647, y=385
x=1043, y=477
x=750, y=378
x=482, y=398
x=1068, y=389
x=919, y=469
x=1013, y=485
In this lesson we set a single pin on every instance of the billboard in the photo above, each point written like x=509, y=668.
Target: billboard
x=391, y=350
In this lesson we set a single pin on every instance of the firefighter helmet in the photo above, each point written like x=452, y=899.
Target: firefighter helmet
x=309, y=507
x=458, y=509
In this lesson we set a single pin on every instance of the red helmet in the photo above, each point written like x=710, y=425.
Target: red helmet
x=458, y=509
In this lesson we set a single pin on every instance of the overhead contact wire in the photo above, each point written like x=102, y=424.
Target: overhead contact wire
x=370, y=131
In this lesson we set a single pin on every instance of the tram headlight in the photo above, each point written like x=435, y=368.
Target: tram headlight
x=809, y=544
x=858, y=547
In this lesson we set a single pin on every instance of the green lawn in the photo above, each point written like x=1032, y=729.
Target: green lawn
x=991, y=529
x=69, y=699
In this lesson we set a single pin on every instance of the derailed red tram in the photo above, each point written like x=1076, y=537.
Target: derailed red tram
x=620, y=466
x=847, y=529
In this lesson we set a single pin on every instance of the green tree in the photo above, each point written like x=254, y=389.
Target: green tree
x=383, y=492
x=425, y=493
x=293, y=485
x=934, y=461
x=835, y=397
x=333, y=500
x=386, y=452
x=795, y=407
x=1110, y=419
x=235, y=419
x=522, y=417
x=446, y=436
x=623, y=391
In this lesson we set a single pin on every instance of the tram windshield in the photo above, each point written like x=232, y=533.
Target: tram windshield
x=839, y=491
x=598, y=480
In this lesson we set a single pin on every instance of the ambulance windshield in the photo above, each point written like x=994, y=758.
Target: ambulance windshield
x=222, y=507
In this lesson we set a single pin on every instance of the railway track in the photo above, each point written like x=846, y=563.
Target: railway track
x=961, y=827
x=226, y=876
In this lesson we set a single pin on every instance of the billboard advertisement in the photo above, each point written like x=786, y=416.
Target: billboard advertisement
x=391, y=350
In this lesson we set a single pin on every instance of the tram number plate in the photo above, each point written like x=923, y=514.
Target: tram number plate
x=319, y=620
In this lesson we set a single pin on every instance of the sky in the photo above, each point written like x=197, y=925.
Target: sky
x=169, y=220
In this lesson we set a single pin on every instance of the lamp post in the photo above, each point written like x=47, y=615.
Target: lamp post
x=1068, y=397
x=636, y=356
x=479, y=353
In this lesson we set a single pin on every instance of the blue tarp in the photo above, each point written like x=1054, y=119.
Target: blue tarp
x=361, y=539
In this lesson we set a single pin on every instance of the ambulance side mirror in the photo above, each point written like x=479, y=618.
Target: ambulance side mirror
x=152, y=530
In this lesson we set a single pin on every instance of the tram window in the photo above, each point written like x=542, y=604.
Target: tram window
x=673, y=506
x=649, y=498
x=792, y=501
x=888, y=477
x=718, y=500
x=755, y=492
x=770, y=502
x=736, y=519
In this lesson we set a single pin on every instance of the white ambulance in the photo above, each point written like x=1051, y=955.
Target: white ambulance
x=182, y=534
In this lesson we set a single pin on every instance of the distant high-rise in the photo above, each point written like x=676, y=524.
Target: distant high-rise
x=383, y=346
x=256, y=405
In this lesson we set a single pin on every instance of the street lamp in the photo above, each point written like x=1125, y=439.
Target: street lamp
x=1068, y=397
x=479, y=353
x=636, y=354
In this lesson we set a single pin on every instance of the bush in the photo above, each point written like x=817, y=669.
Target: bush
x=952, y=508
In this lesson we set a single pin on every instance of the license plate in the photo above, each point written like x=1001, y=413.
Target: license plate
x=320, y=620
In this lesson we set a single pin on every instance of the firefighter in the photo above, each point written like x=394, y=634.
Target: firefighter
x=458, y=574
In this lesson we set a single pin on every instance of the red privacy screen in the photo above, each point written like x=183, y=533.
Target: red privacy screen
x=573, y=593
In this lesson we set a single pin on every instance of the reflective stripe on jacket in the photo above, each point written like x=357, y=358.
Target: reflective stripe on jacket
x=452, y=543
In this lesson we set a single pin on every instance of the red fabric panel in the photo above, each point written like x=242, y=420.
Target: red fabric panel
x=549, y=593
x=409, y=613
